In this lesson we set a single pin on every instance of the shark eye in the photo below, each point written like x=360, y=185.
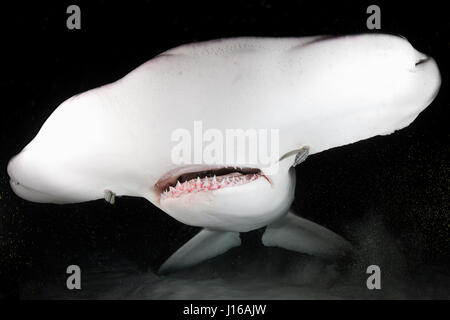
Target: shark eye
x=423, y=60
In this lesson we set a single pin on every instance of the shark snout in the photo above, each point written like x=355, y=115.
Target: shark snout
x=13, y=169
x=428, y=77
x=15, y=173
x=23, y=179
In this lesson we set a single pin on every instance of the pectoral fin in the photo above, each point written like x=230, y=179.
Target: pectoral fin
x=110, y=196
x=205, y=245
x=298, y=234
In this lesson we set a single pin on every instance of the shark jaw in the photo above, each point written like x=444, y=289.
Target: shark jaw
x=226, y=198
x=178, y=184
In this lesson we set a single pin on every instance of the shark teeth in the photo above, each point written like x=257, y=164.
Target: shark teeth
x=207, y=184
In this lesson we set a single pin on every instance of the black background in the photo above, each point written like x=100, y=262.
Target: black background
x=399, y=182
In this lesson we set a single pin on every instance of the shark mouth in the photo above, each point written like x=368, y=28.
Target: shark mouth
x=173, y=186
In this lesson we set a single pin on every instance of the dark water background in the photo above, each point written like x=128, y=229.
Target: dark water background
x=388, y=195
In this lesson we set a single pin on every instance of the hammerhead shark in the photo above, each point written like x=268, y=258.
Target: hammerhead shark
x=318, y=92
